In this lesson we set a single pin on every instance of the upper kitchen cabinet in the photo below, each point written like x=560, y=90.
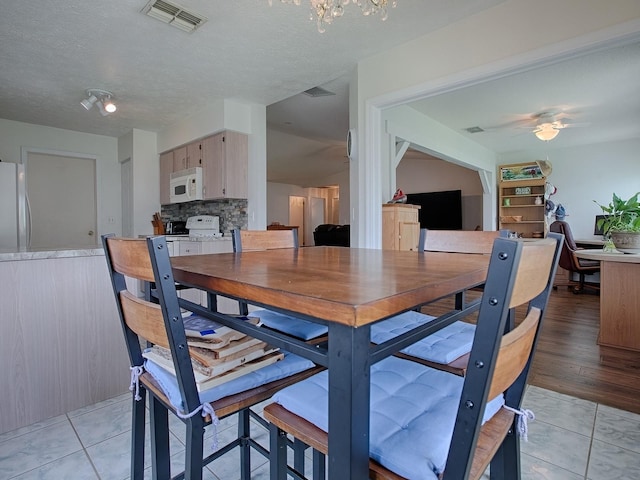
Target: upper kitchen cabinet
x=225, y=159
x=187, y=156
x=166, y=168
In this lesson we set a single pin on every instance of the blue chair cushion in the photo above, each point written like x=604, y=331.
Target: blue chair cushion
x=289, y=365
x=443, y=346
x=413, y=411
x=293, y=326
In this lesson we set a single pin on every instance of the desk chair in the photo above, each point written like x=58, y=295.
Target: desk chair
x=257, y=240
x=570, y=262
x=429, y=424
x=447, y=349
x=143, y=321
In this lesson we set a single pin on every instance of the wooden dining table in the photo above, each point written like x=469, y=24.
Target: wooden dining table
x=347, y=289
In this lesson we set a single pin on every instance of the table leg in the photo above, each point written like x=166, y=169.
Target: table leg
x=349, y=390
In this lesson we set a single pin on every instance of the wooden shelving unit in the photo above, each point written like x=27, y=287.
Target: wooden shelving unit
x=521, y=204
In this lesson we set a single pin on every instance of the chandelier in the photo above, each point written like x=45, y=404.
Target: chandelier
x=324, y=11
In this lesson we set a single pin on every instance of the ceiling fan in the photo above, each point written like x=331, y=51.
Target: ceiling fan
x=545, y=125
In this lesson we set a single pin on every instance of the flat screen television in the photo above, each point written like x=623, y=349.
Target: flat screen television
x=438, y=210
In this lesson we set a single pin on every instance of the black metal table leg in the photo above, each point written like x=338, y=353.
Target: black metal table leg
x=349, y=389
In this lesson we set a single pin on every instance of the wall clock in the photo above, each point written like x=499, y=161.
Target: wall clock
x=352, y=143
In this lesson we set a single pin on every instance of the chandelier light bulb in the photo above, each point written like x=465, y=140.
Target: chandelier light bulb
x=324, y=11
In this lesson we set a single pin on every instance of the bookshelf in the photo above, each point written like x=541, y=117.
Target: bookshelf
x=521, y=200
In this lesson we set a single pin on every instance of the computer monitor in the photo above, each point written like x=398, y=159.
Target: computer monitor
x=596, y=230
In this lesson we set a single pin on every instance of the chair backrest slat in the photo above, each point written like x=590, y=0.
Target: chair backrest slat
x=533, y=272
x=144, y=318
x=130, y=257
x=514, y=353
x=458, y=241
x=255, y=240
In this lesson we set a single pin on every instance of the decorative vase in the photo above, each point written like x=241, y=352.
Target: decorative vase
x=626, y=242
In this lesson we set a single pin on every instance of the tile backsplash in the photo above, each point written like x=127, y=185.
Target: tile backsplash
x=232, y=212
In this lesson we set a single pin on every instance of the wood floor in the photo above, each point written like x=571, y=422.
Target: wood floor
x=569, y=360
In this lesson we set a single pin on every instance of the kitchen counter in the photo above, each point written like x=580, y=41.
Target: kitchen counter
x=10, y=255
x=61, y=346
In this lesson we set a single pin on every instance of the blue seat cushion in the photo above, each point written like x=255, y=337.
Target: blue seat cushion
x=289, y=365
x=413, y=411
x=443, y=346
x=293, y=326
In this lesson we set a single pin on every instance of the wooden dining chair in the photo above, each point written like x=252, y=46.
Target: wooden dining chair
x=161, y=324
x=257, y=240
x=429, y=424
x=447, y=349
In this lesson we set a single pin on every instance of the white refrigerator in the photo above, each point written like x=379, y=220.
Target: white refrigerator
x=13, y=207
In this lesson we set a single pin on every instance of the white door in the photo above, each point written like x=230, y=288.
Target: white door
x=296, y=216
x=62, y=199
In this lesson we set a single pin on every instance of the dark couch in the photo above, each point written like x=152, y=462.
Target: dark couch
x=332, y=235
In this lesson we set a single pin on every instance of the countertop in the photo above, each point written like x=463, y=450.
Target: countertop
x=608, y=257
x=10, y=255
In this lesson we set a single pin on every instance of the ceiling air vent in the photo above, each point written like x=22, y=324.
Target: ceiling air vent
x=318, y=92
x=474, y=129
x=174, y=15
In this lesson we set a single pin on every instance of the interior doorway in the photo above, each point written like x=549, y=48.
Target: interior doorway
x=296, y=216
x=61, y=192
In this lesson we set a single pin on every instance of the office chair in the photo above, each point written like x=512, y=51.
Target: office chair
x=570, y=262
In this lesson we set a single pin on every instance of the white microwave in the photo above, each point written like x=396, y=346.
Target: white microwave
x=186, y=185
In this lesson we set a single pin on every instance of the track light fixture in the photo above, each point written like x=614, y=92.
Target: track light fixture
x=103, y=99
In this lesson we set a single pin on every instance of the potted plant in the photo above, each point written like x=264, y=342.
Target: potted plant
x=622, y=223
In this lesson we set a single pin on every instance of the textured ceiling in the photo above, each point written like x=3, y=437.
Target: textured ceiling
x=52, y=50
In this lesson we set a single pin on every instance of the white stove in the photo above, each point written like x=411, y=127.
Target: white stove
x=203, y=227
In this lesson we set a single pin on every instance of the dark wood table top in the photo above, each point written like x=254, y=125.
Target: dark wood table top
x=351, y=286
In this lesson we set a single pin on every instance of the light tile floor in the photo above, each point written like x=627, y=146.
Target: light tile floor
x=570, y=439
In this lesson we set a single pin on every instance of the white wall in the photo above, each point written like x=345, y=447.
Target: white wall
x=511, y=35
x=146, y=181
x=14, y=135
x=587, y=173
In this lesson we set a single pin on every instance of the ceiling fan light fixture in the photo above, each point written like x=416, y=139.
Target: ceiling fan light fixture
x=546, y=132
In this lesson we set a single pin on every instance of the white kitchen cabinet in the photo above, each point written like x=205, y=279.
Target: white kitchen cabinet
x=166, y=168
x=179, y=159
x=224, y=158
x=194, y=154
x=225, y=161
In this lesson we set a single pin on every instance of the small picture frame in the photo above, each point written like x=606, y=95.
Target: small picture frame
x=523, y=190
x=520, y=172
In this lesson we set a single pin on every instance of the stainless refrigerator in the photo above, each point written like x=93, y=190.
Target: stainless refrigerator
x=13, y=207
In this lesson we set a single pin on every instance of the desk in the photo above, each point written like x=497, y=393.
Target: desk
x=619, y=300
x=590, y=243
x=348, y=289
